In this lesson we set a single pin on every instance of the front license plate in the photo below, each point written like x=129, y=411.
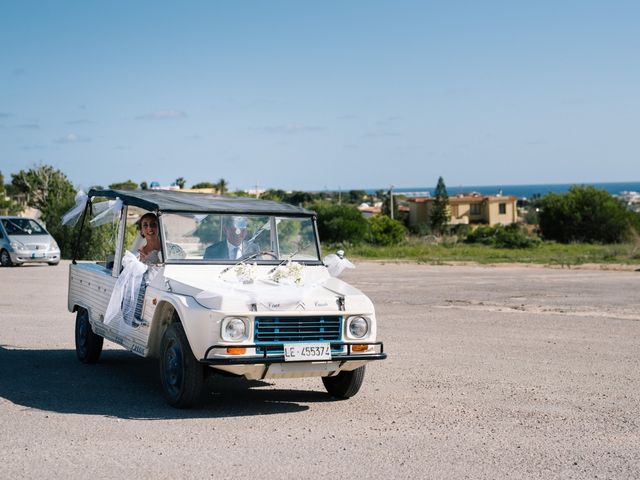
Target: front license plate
x=297, y=352
x=37, y=255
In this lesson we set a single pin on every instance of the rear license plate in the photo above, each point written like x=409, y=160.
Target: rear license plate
x=297, y=352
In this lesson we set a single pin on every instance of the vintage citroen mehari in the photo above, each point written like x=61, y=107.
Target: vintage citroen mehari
x=272, y=311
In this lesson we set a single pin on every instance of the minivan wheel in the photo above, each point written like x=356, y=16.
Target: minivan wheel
x=181, y=374
x=88, y=344
x=5, y=259
x=346, y=384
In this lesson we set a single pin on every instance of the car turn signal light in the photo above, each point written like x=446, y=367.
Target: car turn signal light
x=236, y=350
x=360, y=348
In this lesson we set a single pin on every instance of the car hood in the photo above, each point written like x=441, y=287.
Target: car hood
x=317, y=292
x=33, y=241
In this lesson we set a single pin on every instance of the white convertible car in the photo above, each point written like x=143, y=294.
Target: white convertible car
x=238, y=286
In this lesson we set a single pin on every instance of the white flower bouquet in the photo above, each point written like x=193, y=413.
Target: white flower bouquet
x=246, y=272
x=291, y=273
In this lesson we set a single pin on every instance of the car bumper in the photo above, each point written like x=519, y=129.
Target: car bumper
x=266, y=358
x=274, y=366
x=37, y=256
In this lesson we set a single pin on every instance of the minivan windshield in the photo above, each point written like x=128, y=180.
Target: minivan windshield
x=226, y=238
x=22, y=226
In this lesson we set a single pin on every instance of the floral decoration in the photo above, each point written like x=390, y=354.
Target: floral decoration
x=290, y=273
x=246, y=272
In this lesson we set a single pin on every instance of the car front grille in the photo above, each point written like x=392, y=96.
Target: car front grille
x=297, y=329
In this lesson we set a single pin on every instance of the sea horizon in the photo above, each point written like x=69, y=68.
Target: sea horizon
x=520, y=191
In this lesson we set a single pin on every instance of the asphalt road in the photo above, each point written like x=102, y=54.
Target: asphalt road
x=492, y=373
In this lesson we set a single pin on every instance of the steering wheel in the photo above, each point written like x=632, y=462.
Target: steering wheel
x=269, y=253
x=175, y=251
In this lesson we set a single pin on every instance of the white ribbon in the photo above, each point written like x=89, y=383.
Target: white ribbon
x=108, y=214
x=270, y=294
x=336, y=264
x=125, y=292
x=71, y=217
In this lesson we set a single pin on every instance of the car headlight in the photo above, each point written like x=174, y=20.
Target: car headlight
x=358, y=327
x=54, y=245
x=17, y=245
x=234, y=329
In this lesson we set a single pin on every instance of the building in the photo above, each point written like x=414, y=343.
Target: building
x=468, y=209
x=370, y=210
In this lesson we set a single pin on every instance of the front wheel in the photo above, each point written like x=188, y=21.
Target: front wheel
x=5, y=259
x=181, y=374
x=346, y=384
x=88, y=344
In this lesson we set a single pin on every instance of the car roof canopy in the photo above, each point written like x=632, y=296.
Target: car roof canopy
x=176, y=201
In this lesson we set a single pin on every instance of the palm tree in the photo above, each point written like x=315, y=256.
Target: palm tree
x=222, y=186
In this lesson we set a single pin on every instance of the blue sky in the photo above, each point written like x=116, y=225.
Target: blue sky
x=322, y=95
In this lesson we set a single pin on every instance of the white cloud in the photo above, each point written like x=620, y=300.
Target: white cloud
x=388, y=121
x=80, y=121
x=72, y=138
x=292, y=128
x=163, y=115
x=381, y=134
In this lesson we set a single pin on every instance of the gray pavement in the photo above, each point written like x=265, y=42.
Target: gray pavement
x=493, y=372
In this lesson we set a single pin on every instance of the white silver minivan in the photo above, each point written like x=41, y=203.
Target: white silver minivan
x=25, y=240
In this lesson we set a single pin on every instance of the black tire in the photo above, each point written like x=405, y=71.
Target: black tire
x=53, y=264
x=346, y=384
x=181, y=374
x=88, y=344
x=5, y=259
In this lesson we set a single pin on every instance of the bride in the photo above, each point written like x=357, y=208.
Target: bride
x=148, y=227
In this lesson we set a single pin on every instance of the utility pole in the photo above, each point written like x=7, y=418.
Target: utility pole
x=391, y=201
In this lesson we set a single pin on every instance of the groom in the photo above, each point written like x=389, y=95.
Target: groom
x=233, y=247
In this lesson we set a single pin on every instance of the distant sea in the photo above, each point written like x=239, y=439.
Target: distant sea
x=520, y=191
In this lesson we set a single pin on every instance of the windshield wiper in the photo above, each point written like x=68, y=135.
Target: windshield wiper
x=245, y=259
x=265, y=252
x=288, y=257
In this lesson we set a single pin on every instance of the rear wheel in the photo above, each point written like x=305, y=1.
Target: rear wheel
x=88, y=344
x=181, y=374
x=5, y=259
x=346, y=384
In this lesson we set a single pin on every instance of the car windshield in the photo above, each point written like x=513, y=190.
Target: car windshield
x=232, y=238
x=22, y=226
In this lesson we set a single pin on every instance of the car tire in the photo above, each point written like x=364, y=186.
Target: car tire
x=346, y=384
x=182, y=376
x=53, y=264
x=5, y=259
x=88, y=343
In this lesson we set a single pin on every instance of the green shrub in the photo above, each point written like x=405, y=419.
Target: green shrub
x=584, y=214
x=420, y=229
x=511, y=236
x=385, y=230
x=340, y=223
x=461, y=230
